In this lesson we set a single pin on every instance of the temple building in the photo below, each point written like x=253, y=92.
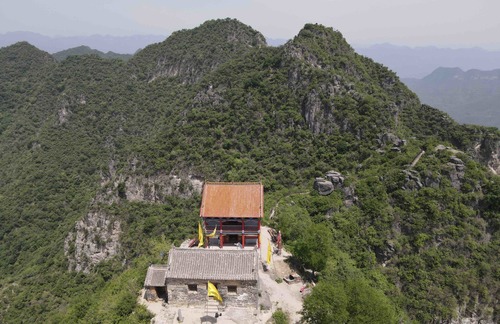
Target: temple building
x=231, y=216
x=235, y=211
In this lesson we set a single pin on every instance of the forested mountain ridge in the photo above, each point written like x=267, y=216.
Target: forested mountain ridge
x=208, y=47
x=85, y=50
x=102, y=160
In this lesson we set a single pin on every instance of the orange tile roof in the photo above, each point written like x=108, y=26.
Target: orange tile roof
x=232, y=199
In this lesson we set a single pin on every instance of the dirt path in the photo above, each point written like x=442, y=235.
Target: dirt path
x=282, y=295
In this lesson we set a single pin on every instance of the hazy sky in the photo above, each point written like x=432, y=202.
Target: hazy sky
x=444, y=23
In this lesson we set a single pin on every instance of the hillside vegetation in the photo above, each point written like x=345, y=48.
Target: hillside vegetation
x=102, y=161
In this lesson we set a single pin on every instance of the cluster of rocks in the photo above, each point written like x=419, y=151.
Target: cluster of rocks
x=412, y=180
x=334, y=180
x=391, y=141
x=454, y=170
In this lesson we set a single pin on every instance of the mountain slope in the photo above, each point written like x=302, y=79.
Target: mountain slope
x=470, y=97
x=208, y=45
x=105, y=177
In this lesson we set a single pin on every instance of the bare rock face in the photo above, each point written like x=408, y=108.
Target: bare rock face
x=318, y=116
x=455, y=170
x=66, y=105
x=156, y=188
x=95, y=238
x=488, y=153
x=209, y=96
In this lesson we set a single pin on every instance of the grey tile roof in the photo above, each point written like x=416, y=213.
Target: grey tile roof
x=208, y=264
x=156, y=276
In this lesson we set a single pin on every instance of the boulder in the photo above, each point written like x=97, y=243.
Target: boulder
x=335, y=177
x=456, y=160
x=389, y=138
x=324, y=187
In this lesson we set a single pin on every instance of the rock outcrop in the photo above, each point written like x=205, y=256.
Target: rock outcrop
x=334, y=180
x=455, y=170
x=412, y=180
x=95, y=238
x=488, y=153
x=392, y=141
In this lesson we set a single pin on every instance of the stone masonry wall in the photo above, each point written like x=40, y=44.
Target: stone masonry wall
x=247, y=293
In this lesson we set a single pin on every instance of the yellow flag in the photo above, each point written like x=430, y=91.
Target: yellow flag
x=200, y=235
x=269, y=252
x=213, y=292
x=213, y=233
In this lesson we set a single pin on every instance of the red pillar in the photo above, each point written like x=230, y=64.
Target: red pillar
x=258, y=228
x=243, y=232
x=221, y=238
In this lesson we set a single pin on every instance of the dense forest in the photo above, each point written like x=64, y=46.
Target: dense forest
x=101, y=160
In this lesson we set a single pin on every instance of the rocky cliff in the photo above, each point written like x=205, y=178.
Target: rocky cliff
x=96, y=237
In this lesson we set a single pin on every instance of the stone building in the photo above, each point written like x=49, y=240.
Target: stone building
x=233, y=272
x=154, y=284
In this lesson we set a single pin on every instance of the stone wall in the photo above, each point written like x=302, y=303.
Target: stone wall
x=247, y=292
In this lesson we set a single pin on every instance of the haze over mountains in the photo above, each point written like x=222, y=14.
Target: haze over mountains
x=103, y=43
x=407, y=62
x=417, y=62
x=470, y=97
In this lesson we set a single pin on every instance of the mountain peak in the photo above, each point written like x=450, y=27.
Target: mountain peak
x=190, y=53
x=444, y=73
x=21, y=57
x=319, y=45
x=25, y=48
x=326, y=37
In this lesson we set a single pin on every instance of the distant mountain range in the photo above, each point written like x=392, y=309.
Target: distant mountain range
x=104, y=43
x=418, y=62
x=471, y=97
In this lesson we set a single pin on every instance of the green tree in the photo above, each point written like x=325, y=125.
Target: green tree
x=368, y=304
x=314, y=245
x=327, y=303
